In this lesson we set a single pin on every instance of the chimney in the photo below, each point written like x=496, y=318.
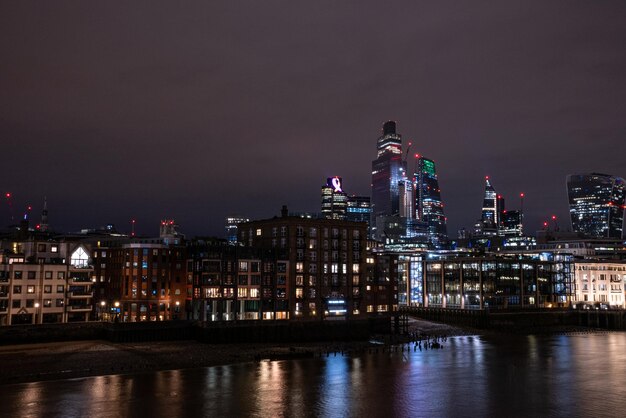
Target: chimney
x=284, y=212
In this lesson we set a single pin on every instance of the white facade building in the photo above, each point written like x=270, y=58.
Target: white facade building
x=45, y=282
x=600, y=283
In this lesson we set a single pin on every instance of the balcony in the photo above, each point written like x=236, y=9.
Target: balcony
x=79, y=295
x=80, y=280
x=79, y=308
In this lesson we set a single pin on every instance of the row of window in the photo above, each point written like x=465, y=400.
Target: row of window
x=19, y=274
x=601, y=268
x=17, y=289
x=300, y=232
x=30, y=303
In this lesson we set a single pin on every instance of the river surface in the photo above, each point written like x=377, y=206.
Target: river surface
x=472, y=376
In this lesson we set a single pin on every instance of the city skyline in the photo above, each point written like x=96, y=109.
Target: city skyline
x=201, y=113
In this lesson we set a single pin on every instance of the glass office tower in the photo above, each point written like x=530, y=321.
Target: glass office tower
x=596, y=204
x=428, y=200
x=387, y=171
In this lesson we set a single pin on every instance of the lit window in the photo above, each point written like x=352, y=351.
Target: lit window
x=79, y=258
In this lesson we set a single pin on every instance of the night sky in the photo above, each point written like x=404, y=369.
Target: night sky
x=197, y=110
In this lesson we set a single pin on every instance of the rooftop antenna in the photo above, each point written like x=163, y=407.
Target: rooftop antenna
x=556, y=225
x=8, y=196
x=521, y=211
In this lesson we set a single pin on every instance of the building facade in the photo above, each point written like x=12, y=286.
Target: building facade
x=231, y=228
x=45, y=281
x=359, y=209
x=322, y=265
x=599, y=283
x=428, y=201
x=334, y=199
x=141, y=280
x=596, y=204
x=485, y=282
x=490, y=218
x=387, y=172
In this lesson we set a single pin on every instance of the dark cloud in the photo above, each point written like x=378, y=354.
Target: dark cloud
x=193, y=111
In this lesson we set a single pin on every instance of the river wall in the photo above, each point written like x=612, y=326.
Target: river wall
x=526, y=321
x=213, y=333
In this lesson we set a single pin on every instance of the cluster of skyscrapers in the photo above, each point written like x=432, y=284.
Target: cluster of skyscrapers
x=406, y=207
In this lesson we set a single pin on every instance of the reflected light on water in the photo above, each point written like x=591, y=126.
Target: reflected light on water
x=505, y=375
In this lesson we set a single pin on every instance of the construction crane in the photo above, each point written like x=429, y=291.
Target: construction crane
x=406, y=154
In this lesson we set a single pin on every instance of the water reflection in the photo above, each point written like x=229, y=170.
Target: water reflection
x=472, y=376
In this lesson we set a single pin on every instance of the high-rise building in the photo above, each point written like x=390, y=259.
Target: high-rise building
x=387, y=172
x=334, y=199
x=490, y=214
x=406, y=192
x=511, y=224
x=43, y=225
x=596, y=204
x=428, y=200
x=231, y=228
x=359, y=209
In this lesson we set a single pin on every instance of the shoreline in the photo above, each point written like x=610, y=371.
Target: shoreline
x=69, y=360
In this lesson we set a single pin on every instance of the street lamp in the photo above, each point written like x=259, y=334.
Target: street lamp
x=36, y=311
x=117, y=306
x=102, y=305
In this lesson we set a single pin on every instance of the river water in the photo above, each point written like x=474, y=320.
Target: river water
x=472, y=376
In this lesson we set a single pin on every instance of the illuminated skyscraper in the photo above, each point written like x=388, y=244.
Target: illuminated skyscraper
x=406, y=194
x=428, y=200
x=596, y=204
x=387, y=171
x=334, y=199
x=490, y=215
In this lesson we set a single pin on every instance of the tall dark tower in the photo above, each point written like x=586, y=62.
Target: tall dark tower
x=387, y=170
x=490, y=219
x=490, y=205
x=43, y=225
x=428, y=200
x=597, y=204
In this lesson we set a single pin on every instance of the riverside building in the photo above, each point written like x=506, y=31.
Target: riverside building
x=462, y=281
x=142, y=279
x=43, y=280
x=321, y=268
x=600, y=283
